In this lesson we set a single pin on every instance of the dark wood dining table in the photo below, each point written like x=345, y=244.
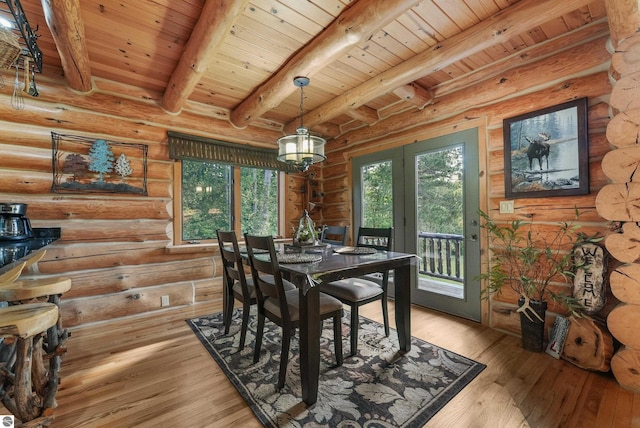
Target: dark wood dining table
x=334, y=266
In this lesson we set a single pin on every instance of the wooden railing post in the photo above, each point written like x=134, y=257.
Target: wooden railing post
x=437, y=261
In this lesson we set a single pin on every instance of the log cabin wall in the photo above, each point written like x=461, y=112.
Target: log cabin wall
x=531, y=80
x=112, y=246
x=116, y=248
x=617, y=201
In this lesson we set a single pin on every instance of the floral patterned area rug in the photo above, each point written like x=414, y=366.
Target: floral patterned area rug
x=377, y=387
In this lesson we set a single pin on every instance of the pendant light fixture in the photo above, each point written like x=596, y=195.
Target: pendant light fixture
x=301, y=149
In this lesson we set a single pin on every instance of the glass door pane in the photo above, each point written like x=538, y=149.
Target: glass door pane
x=429, y=192
x=377, y=196
x=377, y=202
x=442, y=222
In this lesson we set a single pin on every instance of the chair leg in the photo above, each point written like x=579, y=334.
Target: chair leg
x=354, y=330
x=337, y=337
x=246, y=307
x=228, y=301
x=385, y=314
x=284, y=356
x=258, y=344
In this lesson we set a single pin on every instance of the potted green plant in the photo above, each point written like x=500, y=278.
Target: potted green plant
x=529, y=264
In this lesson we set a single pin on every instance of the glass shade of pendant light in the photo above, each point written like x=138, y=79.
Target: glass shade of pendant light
x=301, y=149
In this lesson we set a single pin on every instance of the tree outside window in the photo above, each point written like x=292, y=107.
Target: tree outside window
x=259, y=201
x=208, y=195
x=439, y=195
x=440, y=191
x=377, y=195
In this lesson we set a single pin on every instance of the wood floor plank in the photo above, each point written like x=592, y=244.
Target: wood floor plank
x=152, y=371
x=592, y=396
x=635, y=413
x=624, y=408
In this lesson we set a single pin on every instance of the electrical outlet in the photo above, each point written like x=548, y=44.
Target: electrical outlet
x=506, y=207
x=164, y=301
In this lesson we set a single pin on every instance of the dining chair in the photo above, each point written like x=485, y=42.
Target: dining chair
x=335, y=235
x=280, y=305
x=359, y=291
x=237, y=285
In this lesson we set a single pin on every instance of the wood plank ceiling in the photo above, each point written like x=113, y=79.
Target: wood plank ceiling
x=367, y=59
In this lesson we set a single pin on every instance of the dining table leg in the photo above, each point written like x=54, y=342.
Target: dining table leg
x=403, y=286
x=309, y=343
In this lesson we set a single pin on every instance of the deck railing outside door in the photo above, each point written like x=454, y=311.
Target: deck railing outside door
x=441, y=255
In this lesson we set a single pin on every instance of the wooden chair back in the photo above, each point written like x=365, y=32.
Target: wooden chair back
x=378, y=238
x=267, y=277
x=335, y=235
x=233, y=269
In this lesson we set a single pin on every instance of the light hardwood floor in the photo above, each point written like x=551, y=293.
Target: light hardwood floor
x=151, y=371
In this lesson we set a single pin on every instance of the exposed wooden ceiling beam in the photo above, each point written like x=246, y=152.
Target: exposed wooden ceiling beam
x=501, y=27
x=520, y=79
x=593, y=30
x=328, y=130
x=66, y=26
x=215, y=22
x=357, y=23
x=364, y=114
x=415, y=94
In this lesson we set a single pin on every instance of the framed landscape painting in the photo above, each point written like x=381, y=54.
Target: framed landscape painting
x=546, y=152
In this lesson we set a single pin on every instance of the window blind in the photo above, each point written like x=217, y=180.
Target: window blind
x=191, y=147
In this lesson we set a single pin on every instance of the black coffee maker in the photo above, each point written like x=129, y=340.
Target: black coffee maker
x=14, y=225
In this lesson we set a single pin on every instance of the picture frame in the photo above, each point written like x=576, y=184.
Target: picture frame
x=94, y=165
x=546, y=152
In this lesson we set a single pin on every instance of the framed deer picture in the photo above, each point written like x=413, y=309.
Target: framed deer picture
x=546, y=152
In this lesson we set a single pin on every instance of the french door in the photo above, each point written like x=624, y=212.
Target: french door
x=428, y=191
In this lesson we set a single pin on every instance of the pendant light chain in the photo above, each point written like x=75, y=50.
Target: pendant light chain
x=302, y=106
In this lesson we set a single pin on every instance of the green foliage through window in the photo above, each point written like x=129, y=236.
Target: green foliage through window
x=208, y=192
x=377, y=195
x=440, y=191
x=206, y=199
x=259, y=200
